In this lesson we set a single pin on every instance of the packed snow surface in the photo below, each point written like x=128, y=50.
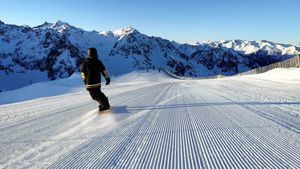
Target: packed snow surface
x=156, y=122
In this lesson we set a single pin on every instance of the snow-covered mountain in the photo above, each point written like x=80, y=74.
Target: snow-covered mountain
x=56, y=50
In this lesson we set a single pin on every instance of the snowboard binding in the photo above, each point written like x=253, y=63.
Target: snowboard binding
x=103, y=107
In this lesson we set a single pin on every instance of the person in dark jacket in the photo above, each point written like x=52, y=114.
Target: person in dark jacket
x=91, y=71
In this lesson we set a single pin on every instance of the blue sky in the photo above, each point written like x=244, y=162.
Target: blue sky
x=180, y=20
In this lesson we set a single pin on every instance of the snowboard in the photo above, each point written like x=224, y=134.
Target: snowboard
x=105, y=111
x=115, y=110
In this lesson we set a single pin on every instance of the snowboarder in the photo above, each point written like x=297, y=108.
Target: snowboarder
x=91, y=71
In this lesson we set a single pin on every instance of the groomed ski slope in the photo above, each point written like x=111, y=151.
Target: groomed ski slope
x=158, y=122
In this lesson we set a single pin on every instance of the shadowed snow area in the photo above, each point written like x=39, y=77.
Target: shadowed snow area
x=248, y=121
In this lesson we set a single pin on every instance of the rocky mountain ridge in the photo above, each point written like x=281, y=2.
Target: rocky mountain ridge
x=58, y=49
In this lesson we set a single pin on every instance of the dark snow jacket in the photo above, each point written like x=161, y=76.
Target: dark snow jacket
x=90, y=72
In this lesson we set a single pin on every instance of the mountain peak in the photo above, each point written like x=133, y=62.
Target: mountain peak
x=59, y=23
x=44, y=25
x=125, y=31
x=107, y=33
x=1, y=22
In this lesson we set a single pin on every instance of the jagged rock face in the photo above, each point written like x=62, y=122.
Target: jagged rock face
x=24, y=48
x=221, y=60
x=62, y=57
x=59, y=49
x=151, y=53
x=263, y=58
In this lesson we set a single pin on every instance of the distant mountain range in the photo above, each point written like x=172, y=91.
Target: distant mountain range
x=56, y=50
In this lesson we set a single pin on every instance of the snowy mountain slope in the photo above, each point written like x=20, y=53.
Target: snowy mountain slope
x=57, y=50
x=248, y=47
x=222, y=60
x=43, y=89
x=74, y=83
x=237, y=122
x=261, y=52
x=145, y=53
x=24, y=48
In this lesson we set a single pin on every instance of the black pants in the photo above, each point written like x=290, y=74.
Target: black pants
x=98, y=95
